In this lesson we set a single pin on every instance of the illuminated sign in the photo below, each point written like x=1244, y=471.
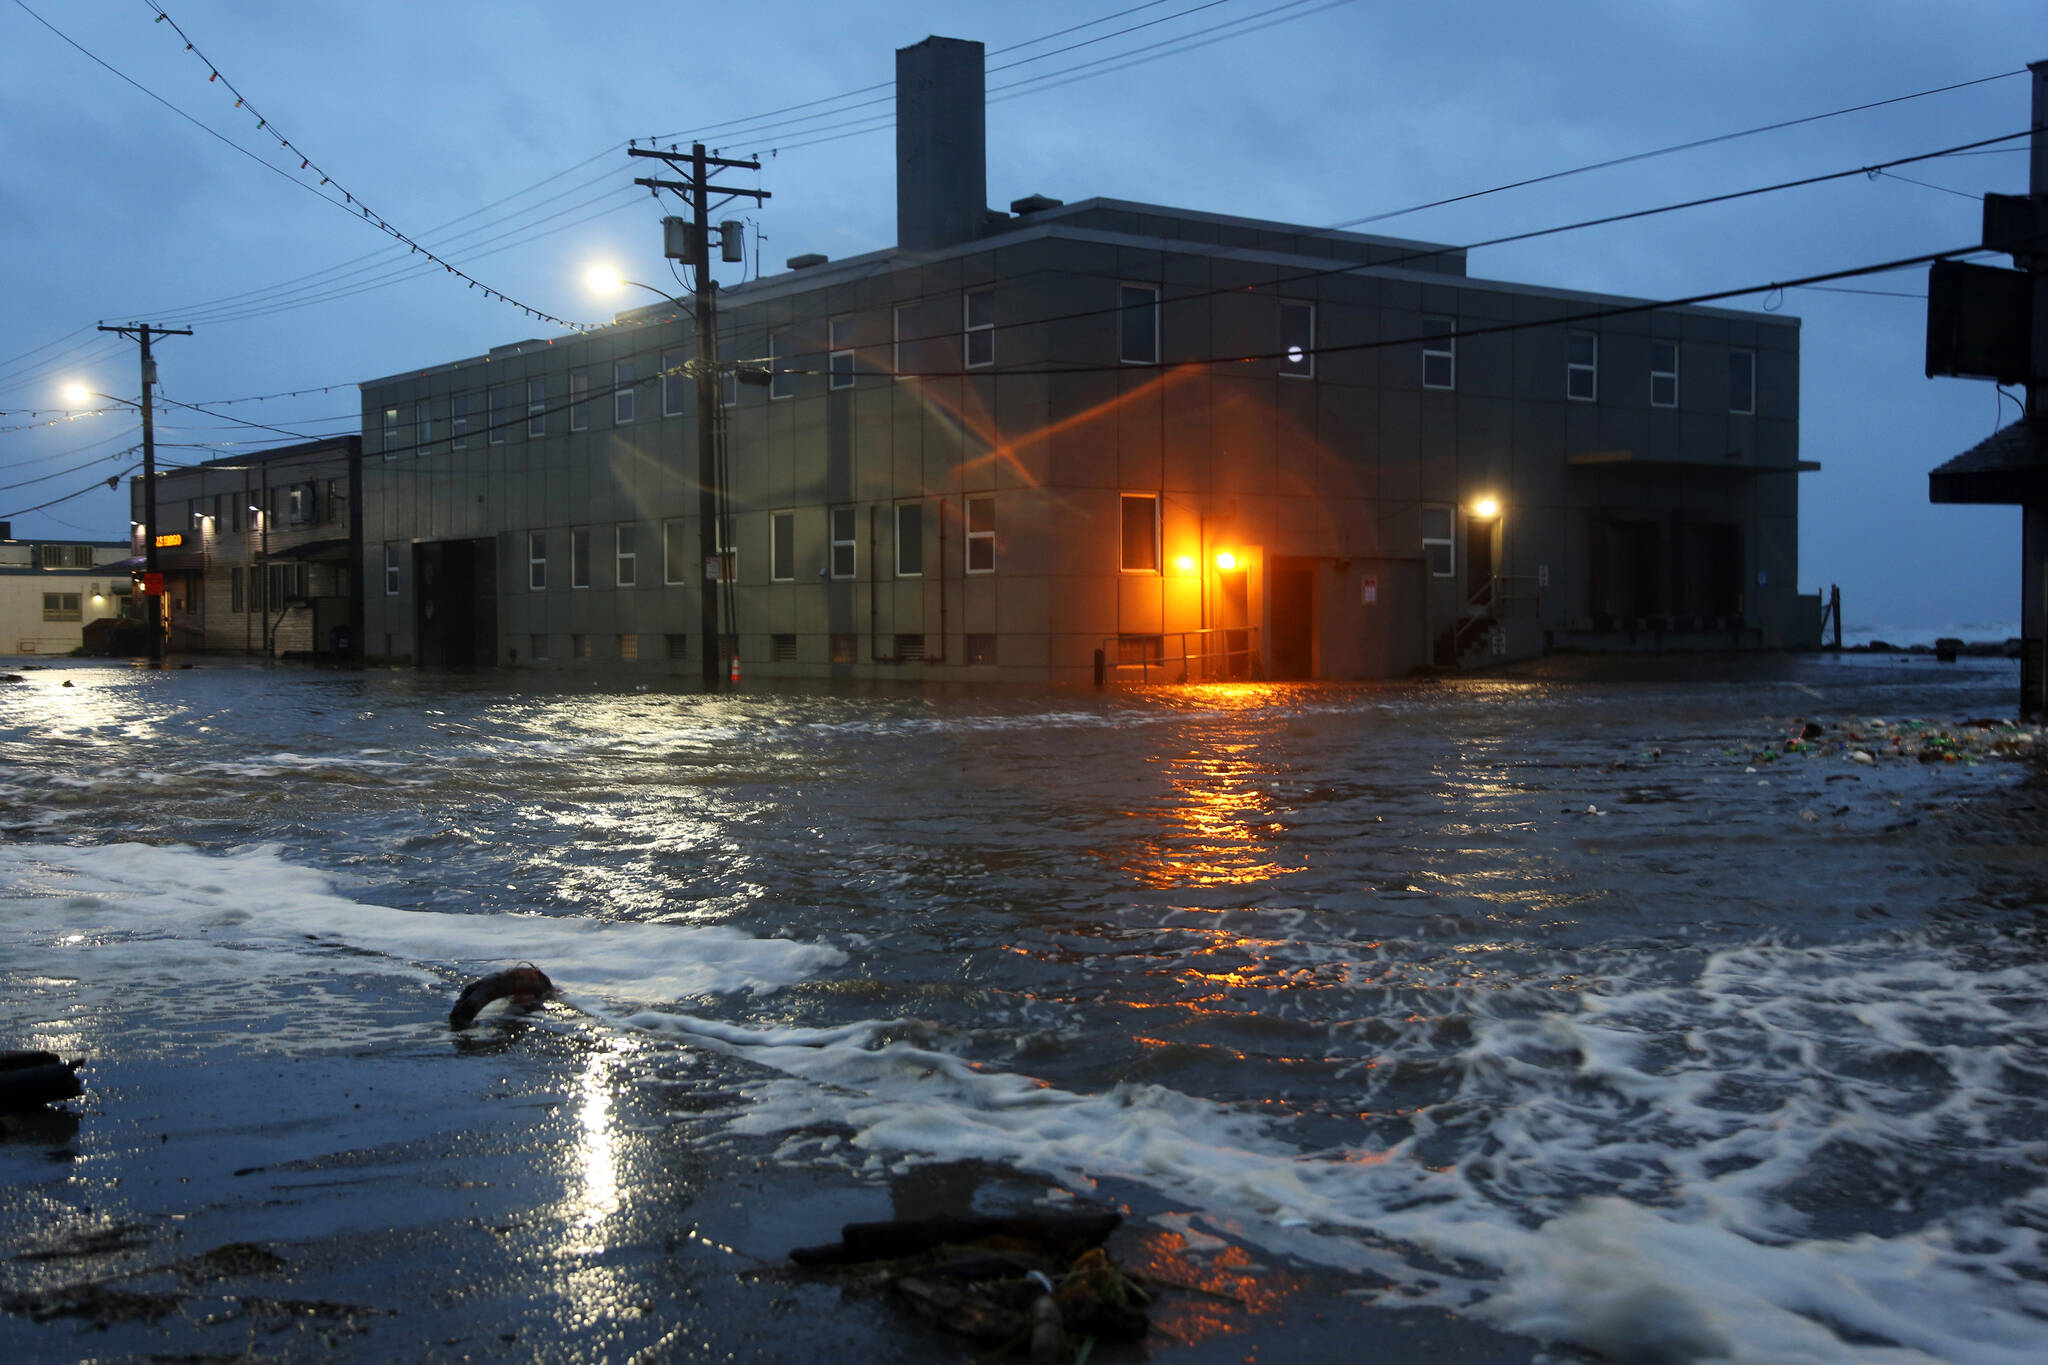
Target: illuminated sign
x=170, y=541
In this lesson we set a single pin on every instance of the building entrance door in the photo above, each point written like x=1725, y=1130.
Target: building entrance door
x=1294, y=619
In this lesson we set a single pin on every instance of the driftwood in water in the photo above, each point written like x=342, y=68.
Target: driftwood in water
x=28, y=1079
x=525, y=984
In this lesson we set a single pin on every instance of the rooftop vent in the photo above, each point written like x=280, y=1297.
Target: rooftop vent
x=805, y=262
x=1034, y=203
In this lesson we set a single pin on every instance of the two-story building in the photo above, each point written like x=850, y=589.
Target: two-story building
x=1200, y=444
x=260, y=551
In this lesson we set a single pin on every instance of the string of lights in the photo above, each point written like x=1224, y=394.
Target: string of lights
x=349, y=199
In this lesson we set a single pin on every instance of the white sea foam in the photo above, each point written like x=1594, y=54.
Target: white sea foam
x=1631, y=1167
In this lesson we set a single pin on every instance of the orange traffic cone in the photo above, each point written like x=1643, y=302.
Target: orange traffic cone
x=735, y=670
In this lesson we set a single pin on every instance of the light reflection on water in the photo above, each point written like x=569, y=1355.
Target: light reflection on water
x=1403, y=918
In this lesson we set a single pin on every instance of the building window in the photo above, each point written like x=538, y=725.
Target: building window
x=1742, y=381
x=235, y=601
x=1581, y=367
x=782, y=547
x=1298, y=339
x=579, y=646
x=909, y=649
x=1140, y=533
x=782, y=648
x=981, y=534
x=981, y=649
x=391, y=433
x=978, y=328
x=536, y=560
x=675, y=646
x=299, y=504
x=579, y=402
x=781, y=383
x=1663, y=374
x=900, y=318
x=627, y=545
x=498, y=404
x=728, y=388
x=390, y=571
x=536, y=407
x=845, y=648
x=1138, y=324
x=728, y=553
x=288, y=583
x=839, y=365
x=579, y=557
x=909, y=540
x=458, y=420
x=423, y=424
x=629, y=647
x=622, y=392
x=1436, y=540
x=675, y=553
x=61, y=606
x=537, y=646
x=843, y=558
x=675, y=382
x=1439, y=353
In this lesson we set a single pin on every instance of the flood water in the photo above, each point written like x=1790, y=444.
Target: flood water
x=1549, y=1001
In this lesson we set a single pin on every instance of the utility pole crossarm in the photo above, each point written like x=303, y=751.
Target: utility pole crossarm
x=692, y=157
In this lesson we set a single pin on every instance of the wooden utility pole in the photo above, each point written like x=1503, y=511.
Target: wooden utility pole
x=697, y=192
x=153, y=584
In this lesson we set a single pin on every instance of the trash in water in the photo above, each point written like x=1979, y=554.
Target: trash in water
x=524, y=984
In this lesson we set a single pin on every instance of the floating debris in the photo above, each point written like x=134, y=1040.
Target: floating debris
x=28, y=1079
x=524, y=984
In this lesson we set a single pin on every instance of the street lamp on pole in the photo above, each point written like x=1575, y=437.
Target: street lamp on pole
x=152, y=585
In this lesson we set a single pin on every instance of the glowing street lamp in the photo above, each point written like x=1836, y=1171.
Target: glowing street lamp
x=1486, y=508
x=1226, y=561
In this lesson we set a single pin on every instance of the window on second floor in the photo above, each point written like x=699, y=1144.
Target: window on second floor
x=844, y=560
x=839, y=366
x=909, y=539
x=1581, y=367
x=1663, y=374
x=1140, y=551
x=1137, y=324
x=536, y=407
x=1742, y=381
x=579, y=401
x=978, y=328
x=781, y=349
x=622, y=392
x=782, y=546
x=981, y=533
x=1439, y=353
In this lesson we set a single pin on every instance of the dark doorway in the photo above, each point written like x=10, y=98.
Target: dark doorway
x=1479, y=560
x=1294, y=619
x=1710, y=572
x=457, y=607
x=1625, y=578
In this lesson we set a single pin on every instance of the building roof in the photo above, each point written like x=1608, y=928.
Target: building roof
x=2008, y=466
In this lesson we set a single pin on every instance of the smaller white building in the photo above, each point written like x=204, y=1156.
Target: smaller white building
x=50, y=590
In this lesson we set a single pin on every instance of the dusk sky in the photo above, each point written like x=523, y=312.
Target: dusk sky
x=494, y=136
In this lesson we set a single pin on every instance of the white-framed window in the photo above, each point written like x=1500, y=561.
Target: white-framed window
x=1139, y=521
x=1439, y=353
x=728, y=388
x=1436, y=540
x=981, y=533
x=844, y=559
x=390, y=573
x=299, y=508
x=1582, y=367
x=1742, y=381
x=901, y=319
x=423, y=425
x=1297, y=339
x=579, y=401
x=675, y=553
x=391, y=433
x=909, y=540
x=782, y=547
x=536, y=407
x=579, y=557
x=622, y=392
x=536, y=560
x=626, y=556
x=781, y=383
x=675, y=383
x=458, y=420
x=839, y=365
x=978, y=328
x=1137, y=324
x=1663, y=374
x=62, y=606
x=499, y=403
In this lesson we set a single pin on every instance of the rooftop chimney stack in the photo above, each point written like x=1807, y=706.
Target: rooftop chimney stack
x=941, y=144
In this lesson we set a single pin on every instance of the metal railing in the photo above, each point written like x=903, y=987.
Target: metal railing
x=1218, y=654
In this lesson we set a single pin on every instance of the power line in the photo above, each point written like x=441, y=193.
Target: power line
x=1675, y=147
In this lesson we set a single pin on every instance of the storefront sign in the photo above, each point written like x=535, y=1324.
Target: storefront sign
x=170, y=540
